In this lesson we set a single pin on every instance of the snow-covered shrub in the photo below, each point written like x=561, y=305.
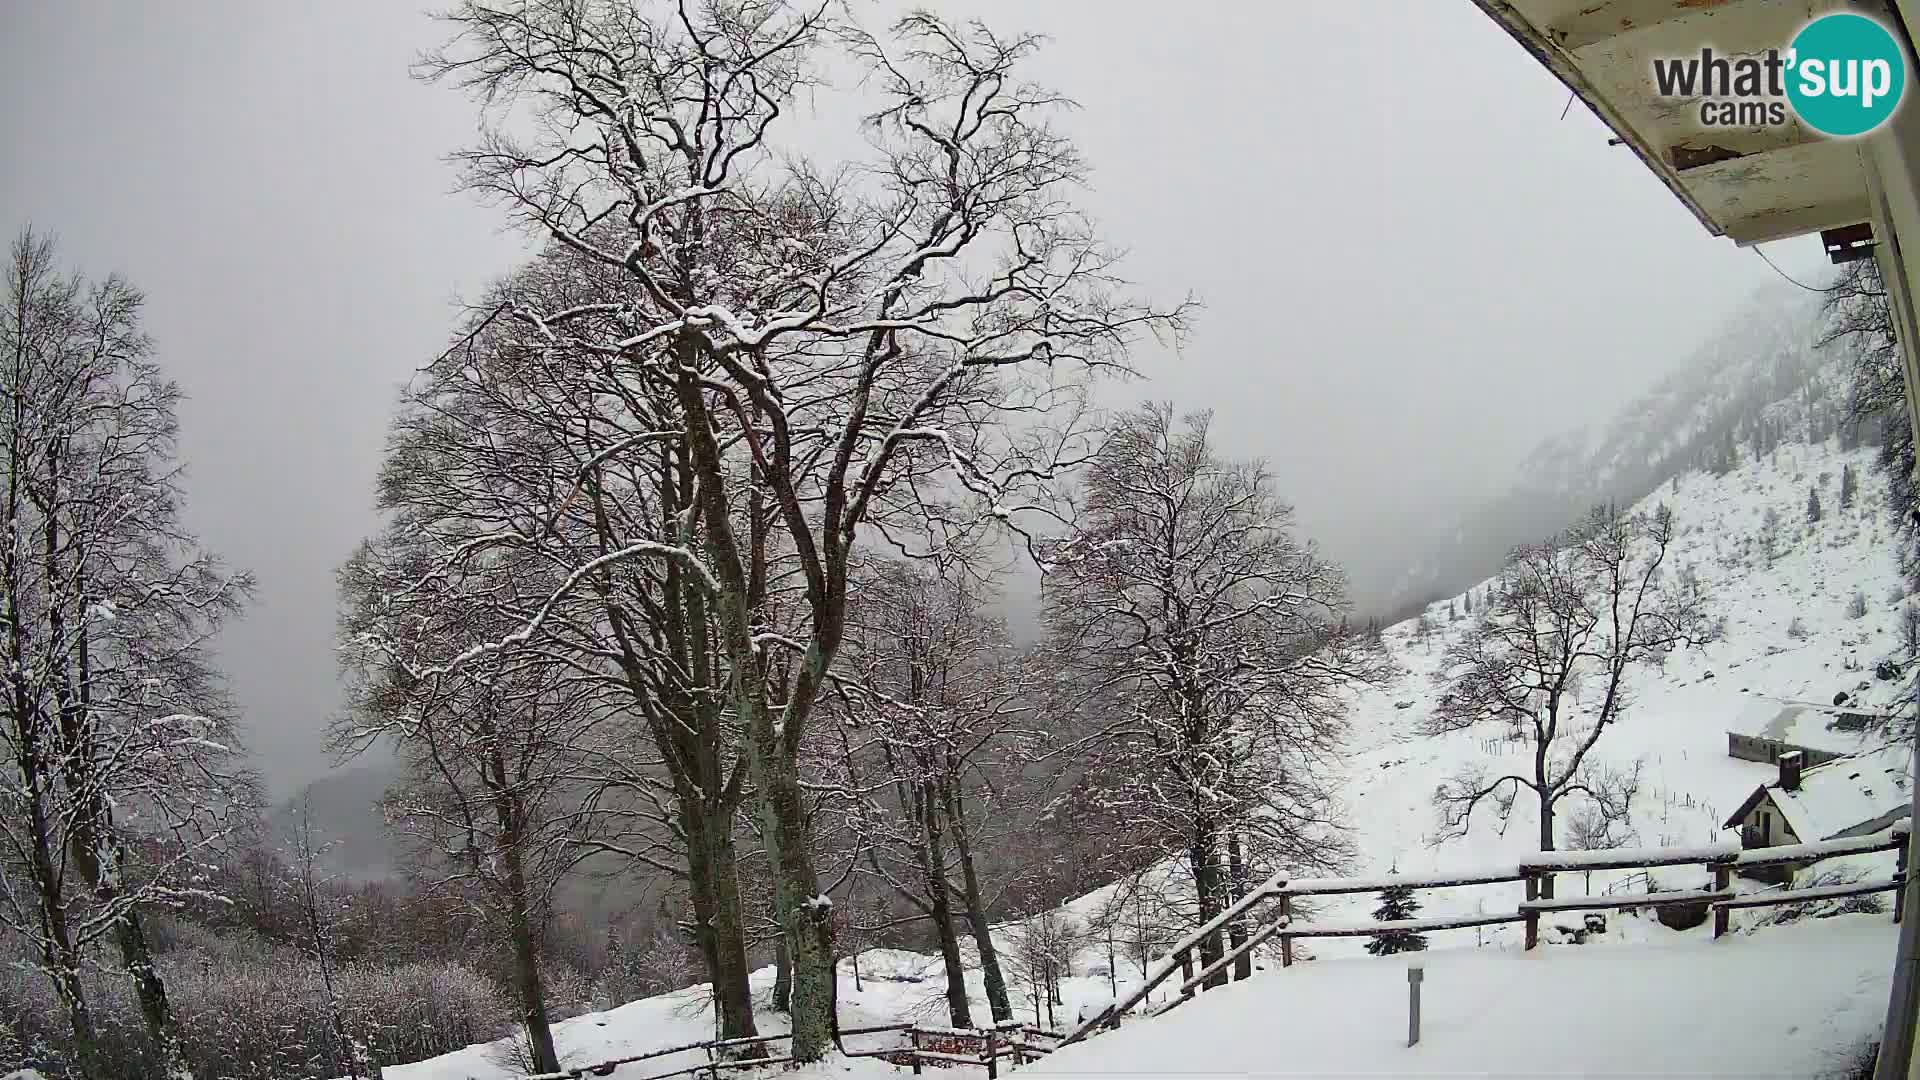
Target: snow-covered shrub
x=666, y=964
x=250, y=1011
x=1867, y=904
x=1857, y=607
x=1797, y=630
x=569, y=993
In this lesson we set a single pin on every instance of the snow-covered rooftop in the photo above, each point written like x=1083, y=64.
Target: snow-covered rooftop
x=1800, y=725
x=1842, y=795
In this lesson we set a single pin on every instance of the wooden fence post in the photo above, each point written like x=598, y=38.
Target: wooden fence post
x=915, y=1033
x=1286, y=939
x=1186, y=965
x=1900, y=875
x=1533, y=916
x=993, y=1057
x=1722, y=879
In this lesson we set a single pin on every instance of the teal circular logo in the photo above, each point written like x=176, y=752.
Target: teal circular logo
x=1846, y=74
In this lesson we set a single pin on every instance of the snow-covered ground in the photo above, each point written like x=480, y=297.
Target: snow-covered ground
x=1795, y=1001
x=1639, y=998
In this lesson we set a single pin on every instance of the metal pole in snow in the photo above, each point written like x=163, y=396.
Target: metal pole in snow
x=1414, y=977
x=1903, y=1001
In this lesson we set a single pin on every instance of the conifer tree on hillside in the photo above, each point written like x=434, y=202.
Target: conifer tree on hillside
x=1847, y=484
x=1813, y=504
x=1397, y=903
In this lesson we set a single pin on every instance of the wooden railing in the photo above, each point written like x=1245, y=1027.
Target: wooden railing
x=1537, y=872
x=1017, y=1044
x=1014, y=1043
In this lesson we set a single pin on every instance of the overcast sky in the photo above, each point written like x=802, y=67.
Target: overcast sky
x=1413, y=268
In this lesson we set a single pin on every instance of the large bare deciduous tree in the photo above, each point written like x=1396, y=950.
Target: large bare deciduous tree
x=845, y=344
x=1210, y=648
x=122, y=769
x=946, y=717
x=525, y=483
x=1548, y=661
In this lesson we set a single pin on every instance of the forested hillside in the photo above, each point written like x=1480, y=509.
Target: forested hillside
x=1781, y=368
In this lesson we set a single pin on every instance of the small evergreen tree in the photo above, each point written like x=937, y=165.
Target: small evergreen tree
x=1846, y=486
x=1453, y=613
x=1396, y=903
x=1770, y=535
x=1469, y=601
x=1813, y=504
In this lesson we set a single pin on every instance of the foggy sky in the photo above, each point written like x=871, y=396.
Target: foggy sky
x=1413, y=269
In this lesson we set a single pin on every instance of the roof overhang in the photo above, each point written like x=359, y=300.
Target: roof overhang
x=1751, y=184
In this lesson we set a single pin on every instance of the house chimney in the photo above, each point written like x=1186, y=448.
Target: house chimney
x=1790, y=763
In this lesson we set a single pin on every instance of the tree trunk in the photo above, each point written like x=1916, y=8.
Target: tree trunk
x=977, y=922
x=714, y=882
x=527, y=983
x=931, y=855
x=95, y=845
x=782, y=975
x=526, y=953
x=1546, y=844
x=1207, y=889
x=65, y=972
x=1236, y=891
x=691, y=745
x=1113, y=966
x=805, y=915
x=1542, y=790
x=61, y=959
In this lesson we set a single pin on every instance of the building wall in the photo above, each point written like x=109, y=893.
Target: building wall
x=1766, y=820
x=1767, y=751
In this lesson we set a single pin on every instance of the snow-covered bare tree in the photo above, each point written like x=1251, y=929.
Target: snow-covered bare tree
x=1548, y=660
x=312, y=890
x=845, y=344
x=593, y=474
x=1210, y=646
x=1044, y=948
x=945, y=718
x=122, y=769
x=491, y=754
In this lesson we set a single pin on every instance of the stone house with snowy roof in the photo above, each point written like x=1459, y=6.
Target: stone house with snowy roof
x=1848, y=796
x=1765, y=729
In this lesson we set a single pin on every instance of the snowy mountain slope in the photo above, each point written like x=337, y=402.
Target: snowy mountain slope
x=1764, y=374
x=1766, y=353
x=1681, y=713
x=1677, y=724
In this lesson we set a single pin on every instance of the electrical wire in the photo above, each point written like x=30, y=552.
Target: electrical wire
x=1783, y=273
